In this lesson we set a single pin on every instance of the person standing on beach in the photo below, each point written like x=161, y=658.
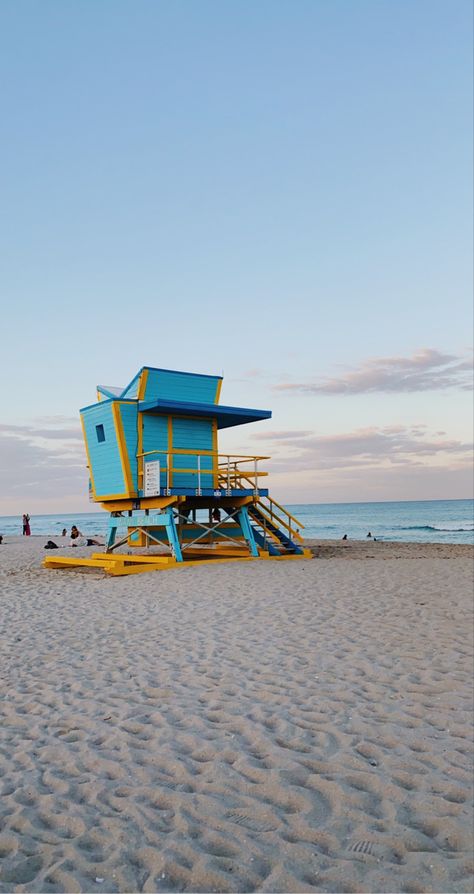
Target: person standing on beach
x=26, y=525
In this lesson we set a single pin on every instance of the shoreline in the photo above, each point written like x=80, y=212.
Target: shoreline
x=337, y=544
x=320, y=548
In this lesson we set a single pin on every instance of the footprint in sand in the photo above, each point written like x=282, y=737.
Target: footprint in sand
x=368, y=850
x=252, y=822
x=21, y=871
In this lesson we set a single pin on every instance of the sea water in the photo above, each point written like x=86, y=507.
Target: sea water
x=427, y=521
x=421, y=521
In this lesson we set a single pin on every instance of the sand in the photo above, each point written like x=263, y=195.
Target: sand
x=263, y=726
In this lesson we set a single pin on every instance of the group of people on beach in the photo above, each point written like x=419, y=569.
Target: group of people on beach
x=76, y=538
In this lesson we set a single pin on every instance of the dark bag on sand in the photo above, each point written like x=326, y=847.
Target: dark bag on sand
x=51, y=545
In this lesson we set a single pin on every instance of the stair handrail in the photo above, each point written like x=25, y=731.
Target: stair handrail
x=275, y=520
x=282, y=508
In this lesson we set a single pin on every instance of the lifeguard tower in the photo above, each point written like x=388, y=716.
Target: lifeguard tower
x=154, y=464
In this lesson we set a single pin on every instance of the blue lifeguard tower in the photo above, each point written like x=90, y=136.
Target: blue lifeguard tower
x=154, y=465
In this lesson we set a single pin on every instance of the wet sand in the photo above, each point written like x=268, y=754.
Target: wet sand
x=264, y=726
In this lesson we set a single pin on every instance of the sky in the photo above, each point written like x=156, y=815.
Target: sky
x=278, y=192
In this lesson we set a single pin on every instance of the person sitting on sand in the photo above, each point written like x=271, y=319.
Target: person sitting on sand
x=78, y=539
x=345, y=537
x=369, y=535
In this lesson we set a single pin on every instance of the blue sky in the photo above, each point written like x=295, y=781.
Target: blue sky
x=279, y=191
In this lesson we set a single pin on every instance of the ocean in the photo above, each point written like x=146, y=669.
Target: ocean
x=421, y=521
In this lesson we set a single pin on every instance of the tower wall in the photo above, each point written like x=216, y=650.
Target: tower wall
x=103, y=453
x=170, y=385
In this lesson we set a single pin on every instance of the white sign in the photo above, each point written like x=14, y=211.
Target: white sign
x=151, y=483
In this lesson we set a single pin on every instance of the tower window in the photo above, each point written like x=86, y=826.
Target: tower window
x=100, y=433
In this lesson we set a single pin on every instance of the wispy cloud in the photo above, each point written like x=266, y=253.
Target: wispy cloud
x=29, y=432
x=41, y=462
x=57, y=420
x=426, y=370
x=364, y=448
x=280, y=435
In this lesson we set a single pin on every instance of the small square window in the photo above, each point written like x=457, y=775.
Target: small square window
x=100, y=433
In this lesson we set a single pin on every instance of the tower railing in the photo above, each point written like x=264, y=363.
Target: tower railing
x=220, y=471
x=225, y=474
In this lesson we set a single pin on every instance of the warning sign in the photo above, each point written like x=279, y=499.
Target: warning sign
x=151, y=479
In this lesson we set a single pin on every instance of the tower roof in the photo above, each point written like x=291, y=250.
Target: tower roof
x=226, y=416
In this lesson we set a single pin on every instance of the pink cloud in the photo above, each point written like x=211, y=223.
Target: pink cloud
x=426, y=370
x=364, y=448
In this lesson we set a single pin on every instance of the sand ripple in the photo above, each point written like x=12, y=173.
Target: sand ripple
x=274, y=727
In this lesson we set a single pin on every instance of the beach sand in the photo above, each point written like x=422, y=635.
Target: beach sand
x=270, y=726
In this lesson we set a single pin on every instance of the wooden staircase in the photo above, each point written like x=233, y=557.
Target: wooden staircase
x=275, y=530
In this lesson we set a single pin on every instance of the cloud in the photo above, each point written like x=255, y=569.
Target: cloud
x=41, y=462
x=426, y=370
x=365, y=449
x=32, y=431
x=56, y=420
x=280, y=435
x=374, y=463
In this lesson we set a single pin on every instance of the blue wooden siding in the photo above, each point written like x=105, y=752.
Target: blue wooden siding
x=190, y=461
x=104, y=456
x=192, y=434
x=129, y=414
x=195, y=435
x=169, y=385
x=190, y=479
x=155, y=433
x=188, y=434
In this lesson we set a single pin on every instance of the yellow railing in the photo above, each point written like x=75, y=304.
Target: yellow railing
x=230, y=475
x=280, y=519
x=225, y=474
x=225, y=468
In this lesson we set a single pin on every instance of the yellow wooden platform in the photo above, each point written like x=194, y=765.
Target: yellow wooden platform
x=119, y=564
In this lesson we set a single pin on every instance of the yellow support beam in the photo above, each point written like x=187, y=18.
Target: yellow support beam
x=124, y=558
x=120, y=564
x=69, y=562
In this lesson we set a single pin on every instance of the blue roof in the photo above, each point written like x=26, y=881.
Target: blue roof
x=226, y=416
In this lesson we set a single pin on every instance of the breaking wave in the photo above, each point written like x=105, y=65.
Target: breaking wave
x=451, y=529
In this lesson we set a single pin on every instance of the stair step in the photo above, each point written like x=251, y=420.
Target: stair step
x=269, y=534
